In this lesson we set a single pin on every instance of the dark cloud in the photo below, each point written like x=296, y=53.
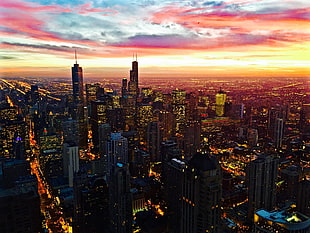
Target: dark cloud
x=62, y=48
x=213, y=3
x=8, y=58
x=156, y=41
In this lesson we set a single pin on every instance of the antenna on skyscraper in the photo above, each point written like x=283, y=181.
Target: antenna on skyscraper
x=75, y=56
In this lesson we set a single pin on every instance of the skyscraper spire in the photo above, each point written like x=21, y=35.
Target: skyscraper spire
x=75, y=56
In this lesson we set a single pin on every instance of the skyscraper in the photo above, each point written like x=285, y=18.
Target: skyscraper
x=153, y=140
x=220, y=99
x=117, y=150
x=91, y=91
x=133, y=85
x=77, y=82
x=178, y=109
x=145, y=115
x=261, y=180
x=278, y=132
x=79, y=102
x=194, y=194
x=70, y=161
x=120, y=201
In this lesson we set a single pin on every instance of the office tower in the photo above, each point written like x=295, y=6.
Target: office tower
x=120, y=199
x=153, y=141
x=178, y=109
x=91, y=204
x=19, y=198
x=77, y=83
x=79, y=103
x=91, y=92
x=192, y=138
x=98, y=116
x=71, y=161
x=34, y=93
x=173, y=177
x=220, y=99
x=70, y=131
x=117, y=150
x=252, y=137
x=303, y=197
x=129, y=109
x=50, y=157
x=169, y=150
x=133, y=84
x=261, y=176
x=104, y=135
x=145, y=115
x=124, y=87
x=13, y=127
x=18, y=147
x=278, y=132
x=116, y=118
x=133, y=143
x=194, y=194
x=290, y=177
x=166, y=119
x=140, y=166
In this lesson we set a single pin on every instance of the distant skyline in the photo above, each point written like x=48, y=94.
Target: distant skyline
x=233, y=38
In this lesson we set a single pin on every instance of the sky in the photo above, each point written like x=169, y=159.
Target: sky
x=229, y=38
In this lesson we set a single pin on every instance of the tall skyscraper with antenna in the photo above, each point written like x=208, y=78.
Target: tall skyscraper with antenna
x=79, y=102
x=77, y=82
x=133, y=85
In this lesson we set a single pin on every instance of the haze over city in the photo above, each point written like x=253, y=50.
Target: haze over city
x=234, y=38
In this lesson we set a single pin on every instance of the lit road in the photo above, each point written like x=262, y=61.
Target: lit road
x=43, y=92
x=54, y=220
x=53, y=215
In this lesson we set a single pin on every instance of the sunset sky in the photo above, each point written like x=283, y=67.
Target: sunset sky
x=246, y=38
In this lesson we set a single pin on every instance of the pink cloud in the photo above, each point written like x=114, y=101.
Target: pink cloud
x=24, y=19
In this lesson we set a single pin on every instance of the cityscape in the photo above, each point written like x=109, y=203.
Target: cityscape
x=188, y=156
x=154, y=116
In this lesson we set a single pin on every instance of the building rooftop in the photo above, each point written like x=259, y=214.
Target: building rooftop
x=286, y=219
x=202, y=162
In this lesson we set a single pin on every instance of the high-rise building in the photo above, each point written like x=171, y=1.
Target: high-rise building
x=133, y=84
x=145, y=115
x=117, y=150
x=124, y=87
x=91, y=204
x=153, y=141
x=71, y=161
x=278, y=132
x=70, y=131
x=91, y=92
x=261, y=181
x=79, y=103
x=220, y=99
x=303, y=197
x=77, y=82
x=194, y=194
x=34, y=92
x=19, y=198
x=178, y=109
x=14, y=135
x=120, y=199
x=98, y=116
